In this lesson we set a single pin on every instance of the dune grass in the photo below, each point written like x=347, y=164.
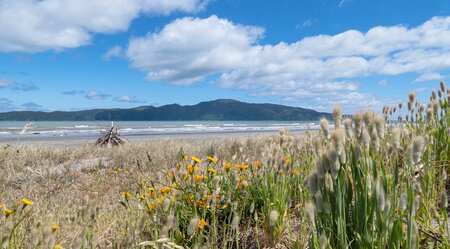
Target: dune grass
x=367, y=183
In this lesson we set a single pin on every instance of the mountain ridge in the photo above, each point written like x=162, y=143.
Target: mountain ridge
x=219, y=109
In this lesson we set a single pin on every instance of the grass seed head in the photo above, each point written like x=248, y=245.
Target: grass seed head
x=192, y=226
x=403, y=201
x=444, y=199
x=273, y=218
x=337, y=117
x=324, y=127
x=418, y=147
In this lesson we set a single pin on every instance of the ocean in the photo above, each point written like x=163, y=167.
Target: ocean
x=11, y=130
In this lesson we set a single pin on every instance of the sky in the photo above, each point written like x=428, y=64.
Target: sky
x=84, y=54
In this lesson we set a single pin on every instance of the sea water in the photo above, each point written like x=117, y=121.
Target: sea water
x=85, y=129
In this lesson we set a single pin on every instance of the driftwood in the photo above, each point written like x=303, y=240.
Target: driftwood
x=111, y=138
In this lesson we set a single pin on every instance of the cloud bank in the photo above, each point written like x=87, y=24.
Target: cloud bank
x=40, y=25
x=322, y=68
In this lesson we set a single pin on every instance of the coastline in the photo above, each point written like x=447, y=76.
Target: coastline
x=136, y=139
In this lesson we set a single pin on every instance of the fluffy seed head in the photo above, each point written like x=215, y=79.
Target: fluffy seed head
x=400, y=105
x=348, y=128
x=369, y=117
x=433, y=95
x=412, y=97
x=430, y=114
x=443, y=88
x=380, y=196
x=418, y=147
x=273, y=218
x=310, y=210
x=313, y=183
x=235, y=221
x=365, y=138
x=323, y=241
x=329, y=183
x=324, y=127
x=379, y=123
x=192, y=226
x=337, y=116
x=338, y=138
x=396, y=132
x=402, y=202
x=358, y=117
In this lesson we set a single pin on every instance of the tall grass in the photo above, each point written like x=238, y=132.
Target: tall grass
x=368, y=183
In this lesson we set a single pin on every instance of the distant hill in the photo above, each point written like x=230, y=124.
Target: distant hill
x=221, y=109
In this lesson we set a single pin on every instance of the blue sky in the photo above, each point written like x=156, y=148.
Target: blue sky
x=71, y=55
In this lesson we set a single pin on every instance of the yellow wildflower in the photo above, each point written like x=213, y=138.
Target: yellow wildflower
x=287, y=160
x=198, y=178
x=55, y=228
x=294, y=172
x=151, y=189
x=8, y=211
x=58, y=246
x=27, y=202
x=165, y=190
x=142, y=197
x=212, y=171
x=151, y=206
x=211, y=159
x=184, y=158
x=178, y=165
x=190, y=168
x=1, y=206
x=127, y=195
x=170, y=174
x=159, y=200
x=257, y=164
x=227, y=166
x=241, y=167
x=196, y=160
x=202, y=223
x=175, y=185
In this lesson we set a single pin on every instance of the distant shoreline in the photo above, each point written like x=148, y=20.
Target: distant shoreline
x=86, y=140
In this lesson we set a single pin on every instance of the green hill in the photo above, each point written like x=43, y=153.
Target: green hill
x=221, y=109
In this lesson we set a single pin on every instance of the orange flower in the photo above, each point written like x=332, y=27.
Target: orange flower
x=202, y=223
x=257, y=164
x=294, y=172
x=198, y=178
x=8, y=211
x=241, y=167
x=287, y=160
x=165, y=190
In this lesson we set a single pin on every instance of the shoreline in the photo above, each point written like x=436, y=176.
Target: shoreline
x=142, y=138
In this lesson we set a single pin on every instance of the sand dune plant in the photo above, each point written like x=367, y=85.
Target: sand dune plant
x=371, y=180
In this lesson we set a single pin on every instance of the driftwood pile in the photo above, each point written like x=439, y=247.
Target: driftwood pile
x=111, y=138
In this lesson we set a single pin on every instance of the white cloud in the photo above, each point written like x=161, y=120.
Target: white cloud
x=115, y=51
x=39, y=25
x=5, y=83
x=128, y=99
x=94, y=95
x=383, y=82
x=189, y=49
x=429, y=76
x=305, y=24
